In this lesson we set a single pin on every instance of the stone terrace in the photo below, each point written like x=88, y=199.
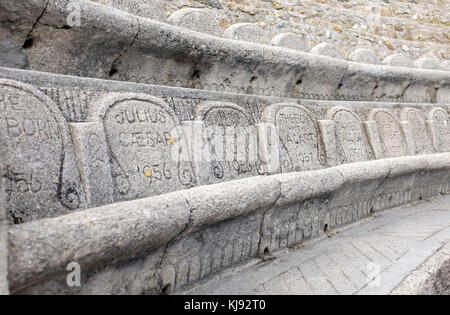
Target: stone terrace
x=374, y=257
x=157, y=145
x=386, y=27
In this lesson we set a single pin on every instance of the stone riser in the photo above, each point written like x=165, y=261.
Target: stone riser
x=213, y=233
x=190, y=109
x=130, y=48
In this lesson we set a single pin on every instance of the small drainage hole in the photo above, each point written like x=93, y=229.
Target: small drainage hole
x=166, y=289
x=28, y=43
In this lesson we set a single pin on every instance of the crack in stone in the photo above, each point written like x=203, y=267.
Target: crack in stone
x=264, y=217
x=378, y=187
x=400, y=97
x=170, y=242
x=118, y=59
x=29, y=35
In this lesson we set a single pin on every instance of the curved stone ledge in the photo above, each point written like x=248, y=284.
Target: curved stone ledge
x=278, y=211
x=95, y=236
x=144, y=140
x=131, y=48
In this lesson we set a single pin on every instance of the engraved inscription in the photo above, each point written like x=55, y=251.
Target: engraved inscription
x=298, y=137
x=391, y=136
x=232, y=141
x=32, y=138
x=441, y=122
x=351, y=141
x=420, y=136
x=141, y=135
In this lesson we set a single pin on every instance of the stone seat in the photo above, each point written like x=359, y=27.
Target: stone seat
x=154, y=156
x=107, y=141
x=167, y=243
x=113, y=44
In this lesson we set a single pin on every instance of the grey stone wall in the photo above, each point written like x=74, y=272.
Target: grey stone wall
x=121, y=138
x=3, y=236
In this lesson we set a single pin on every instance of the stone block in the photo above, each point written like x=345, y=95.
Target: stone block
x=391, y=138
x=147, y=147
x=439, y=127
x=417, y=136
x=300, y=145
x=247, y=32
x=291, y=41
x=93, y=162
x=41, y=177
x=199, y=20
x=363, y=55
x=398, y=60
x=344, y=137
x=327, y=49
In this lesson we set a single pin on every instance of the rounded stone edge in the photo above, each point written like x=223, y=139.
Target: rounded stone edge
x=176, y=19
x=97, y=113
x=93, y=237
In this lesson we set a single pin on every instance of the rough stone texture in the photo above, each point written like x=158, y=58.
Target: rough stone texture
x=200, y=108
x=427, y=63
x=230, y=151
x=146, y=148
x=136, y=277
x=417, y=135
x=371, y=258
x=431, y=278
x=153, y=9
x=299, y=213
x=327, y=49
x=358, y=196
x=300, y=145
x=93, y=162
x=439, y=123
x=344, y=137
x=384, y=27
x=16, y=21
x=214, y=241
x=91, y=239
x=196, y=20
x=54, y=47
x=41, y=178
x=12, y=57
x=246, y=32
x=390, y=134
x=445, y=65
x=291, y=41
x=127, y=141
x=4, y=289
x=399, y=60
x=207, y=222
x=145, y=51
x=363, y=55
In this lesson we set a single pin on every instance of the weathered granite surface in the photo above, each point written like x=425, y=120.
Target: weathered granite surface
x=246, y=145
x=384, y=27
x=111, y=43
x=399, y=251
x=40, y=174
x=143, y=140
x=4, y=288
x=187, y=236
